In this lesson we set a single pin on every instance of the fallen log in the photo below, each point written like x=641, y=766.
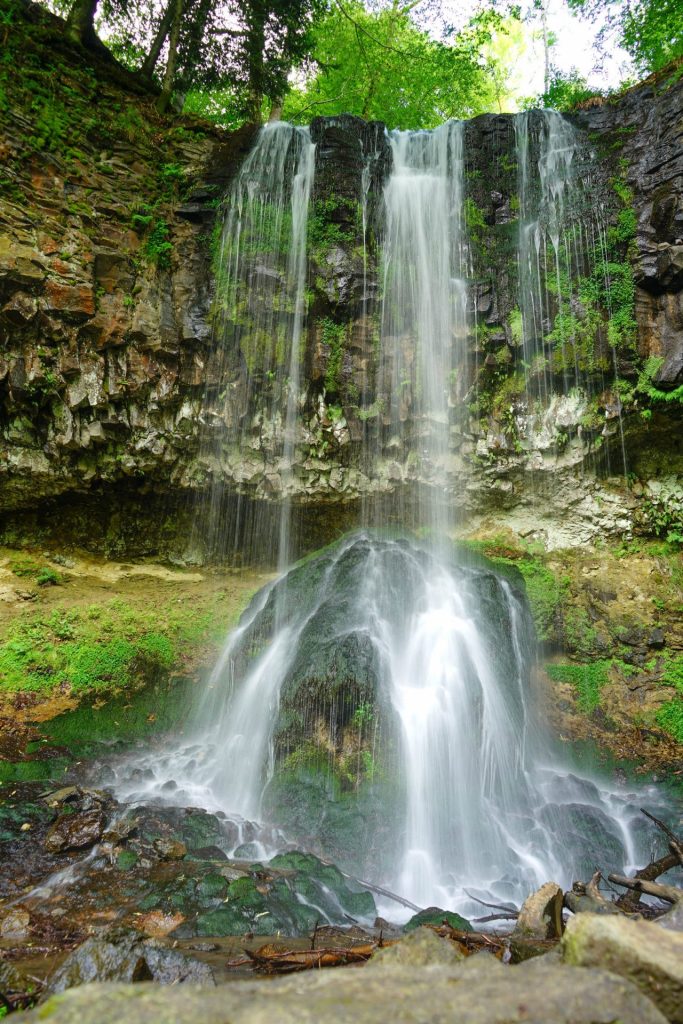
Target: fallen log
x=630, y=900
x=669, y=893
x=275, y=960
x=585, y=897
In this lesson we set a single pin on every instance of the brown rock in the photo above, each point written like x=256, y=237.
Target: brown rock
x=75, y=831
x=170, y=849
x=541, y=913
x=74, y=301
x=15, y=924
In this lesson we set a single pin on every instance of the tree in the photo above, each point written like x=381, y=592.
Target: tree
x=381, y=65
x=651, y=31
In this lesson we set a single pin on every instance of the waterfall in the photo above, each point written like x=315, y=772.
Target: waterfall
x=253, y=392
x=424, y=308
x=462, y=790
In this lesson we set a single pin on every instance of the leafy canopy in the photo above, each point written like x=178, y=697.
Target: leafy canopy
x=381, y=65
x=651, y=31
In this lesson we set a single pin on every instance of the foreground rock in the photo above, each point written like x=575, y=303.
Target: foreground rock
x=121, y=954
x=479, y=990
x=637, y=950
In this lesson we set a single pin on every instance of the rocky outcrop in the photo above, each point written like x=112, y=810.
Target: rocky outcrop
x=480, y=990
x=107, y=347
x=636, y=950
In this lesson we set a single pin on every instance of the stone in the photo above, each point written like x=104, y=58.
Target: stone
x=640, y=951
x=171, y=849
x=15, y=925
x=436, y=916
x=121, y=954
x=478, y=990
x=75, y=831
x=422, y=947
x=541, y=914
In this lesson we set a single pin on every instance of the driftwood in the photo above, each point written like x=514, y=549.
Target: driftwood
x=271, y=959
x=506, y=912
x=670, y=893
x=587, y=896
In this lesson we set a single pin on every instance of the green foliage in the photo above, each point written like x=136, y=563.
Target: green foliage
x=670, y=715
x=587, y=679
x=651, y=31
x=157, y=247
x=364, y=716
x=379, y=64
x=333, y=338
x=100, y=648
x=566, y=90
x=648, y=388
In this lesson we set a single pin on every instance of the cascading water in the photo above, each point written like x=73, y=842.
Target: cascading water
x=563, y=264
x=261, y=310
x=396, y=672
x=424, y=310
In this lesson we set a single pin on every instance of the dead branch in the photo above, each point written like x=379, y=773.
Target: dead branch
x=383, y=892
x=495, y=917
x=273, y=960
x=510, y=913
x=669, y=893
x=630, y=899
x=586, y=897
x=675, y=842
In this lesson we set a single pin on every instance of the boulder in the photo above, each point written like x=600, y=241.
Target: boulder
x=75, y=831
x=541, y=914
x=422, y=947
x=122, y=954
x=640, y=951
x=15, y=925
x=478, y=990
x=436, y=916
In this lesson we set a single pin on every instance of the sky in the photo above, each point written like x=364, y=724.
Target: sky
x=575, y=46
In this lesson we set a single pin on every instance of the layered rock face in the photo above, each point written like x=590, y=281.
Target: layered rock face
x=112, y=370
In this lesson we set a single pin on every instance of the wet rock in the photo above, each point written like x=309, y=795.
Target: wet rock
x=209, y=853
x=15, y=925
x=640, y=951
x=75, y=831
x=121, y=954
x=422, y=947
x=170, y=849
x=436, y=916
x=477, y=991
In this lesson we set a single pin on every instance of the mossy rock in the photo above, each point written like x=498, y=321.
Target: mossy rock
x=126, y=860
x=435, y=916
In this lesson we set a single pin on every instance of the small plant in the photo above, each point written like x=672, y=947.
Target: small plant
x=48, y=578
x=363, y=716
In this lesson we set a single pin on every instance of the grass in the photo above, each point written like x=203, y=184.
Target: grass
x=114, y=645
x=587, y=679
x=670, y=715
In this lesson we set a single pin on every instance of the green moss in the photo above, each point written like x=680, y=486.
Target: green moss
x=670, y=718
x=333, y=338
x=126, y=860
x=587, y=679
x=544, y=589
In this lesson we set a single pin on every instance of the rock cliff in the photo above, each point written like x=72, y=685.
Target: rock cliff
x=109, y=361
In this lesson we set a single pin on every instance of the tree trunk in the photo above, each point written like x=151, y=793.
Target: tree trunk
x=275, y=111
x=152, y=57
x=171, y=64
x=255, y=46
x=80, y=22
